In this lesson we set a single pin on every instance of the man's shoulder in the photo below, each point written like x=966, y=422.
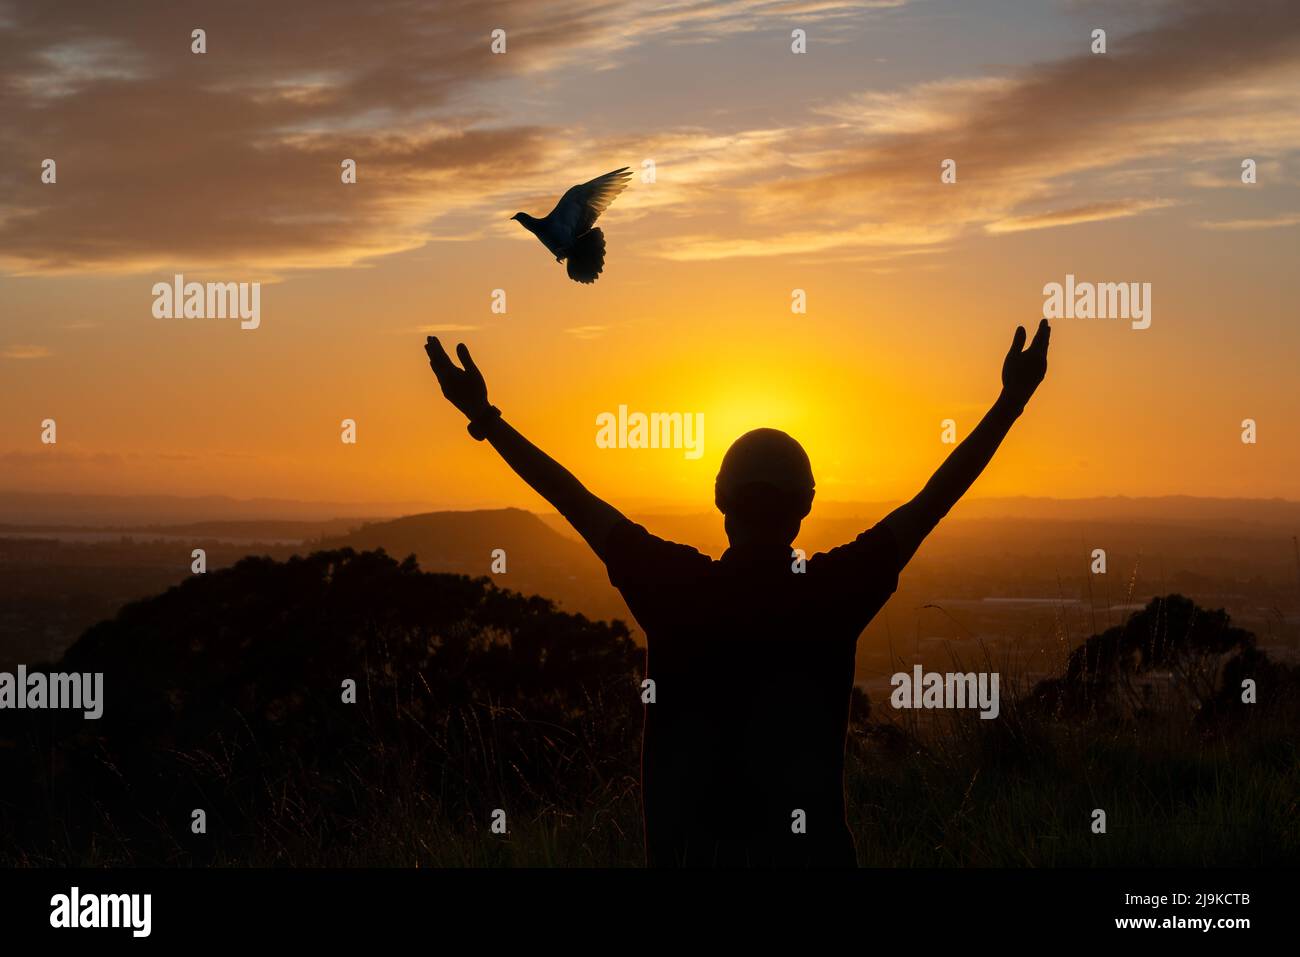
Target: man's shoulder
x=631, y=550
x=874, y=549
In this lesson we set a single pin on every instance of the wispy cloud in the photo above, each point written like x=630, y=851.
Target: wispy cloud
x=1265, y=222
x=25, y=352
x=232, y=158
x=1091, y=213
x=1046, y=145
x=698, y=248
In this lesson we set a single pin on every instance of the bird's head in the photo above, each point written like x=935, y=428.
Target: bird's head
x=519, y=217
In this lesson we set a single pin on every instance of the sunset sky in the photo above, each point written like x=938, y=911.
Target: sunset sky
x=774, y=171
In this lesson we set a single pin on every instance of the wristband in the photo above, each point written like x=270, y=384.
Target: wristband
x=479, y=424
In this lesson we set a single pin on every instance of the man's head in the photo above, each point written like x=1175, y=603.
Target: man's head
x=764, y=488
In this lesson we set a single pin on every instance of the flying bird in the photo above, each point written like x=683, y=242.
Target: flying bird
x=567, y=229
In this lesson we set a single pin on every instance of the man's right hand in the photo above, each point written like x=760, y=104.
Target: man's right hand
x=463, y=388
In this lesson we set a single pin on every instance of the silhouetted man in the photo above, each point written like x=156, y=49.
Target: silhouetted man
x=752, y=655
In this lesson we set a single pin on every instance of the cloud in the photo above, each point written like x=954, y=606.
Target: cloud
x=1090, y=213
x=62, y=456
x=1228, y=175
x=703, y=248
x=637, y=22
x=925, y=107
x=1208, y=83
x=25, y=352
x=1265, y=222
x=231, y=158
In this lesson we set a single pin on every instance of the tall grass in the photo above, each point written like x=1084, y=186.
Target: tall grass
x=412, y=774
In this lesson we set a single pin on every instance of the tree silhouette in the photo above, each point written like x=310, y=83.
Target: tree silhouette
x=1170, y=648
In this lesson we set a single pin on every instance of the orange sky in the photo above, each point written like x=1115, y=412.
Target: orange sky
x=774, y=171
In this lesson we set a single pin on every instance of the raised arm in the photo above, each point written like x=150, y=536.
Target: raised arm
x=466, y=389
x=1022, y=370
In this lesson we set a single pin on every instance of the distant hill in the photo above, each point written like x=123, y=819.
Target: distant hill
x=539, y=560
x=71, y=509
x=227, y=531
x=1166, y=509
x=1231, y=553
x=25, y=507
x=1175, y=524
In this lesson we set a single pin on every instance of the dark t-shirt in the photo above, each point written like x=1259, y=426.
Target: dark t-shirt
x=753, y=670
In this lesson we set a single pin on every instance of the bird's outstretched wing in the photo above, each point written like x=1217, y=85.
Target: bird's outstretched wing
x=578, y=209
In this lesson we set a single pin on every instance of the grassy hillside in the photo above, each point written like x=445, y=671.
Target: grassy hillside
x=228, y=694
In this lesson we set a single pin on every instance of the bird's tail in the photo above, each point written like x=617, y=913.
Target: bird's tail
x=587, y=257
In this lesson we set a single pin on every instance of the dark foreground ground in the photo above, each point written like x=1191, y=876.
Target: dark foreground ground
x=226, y=695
